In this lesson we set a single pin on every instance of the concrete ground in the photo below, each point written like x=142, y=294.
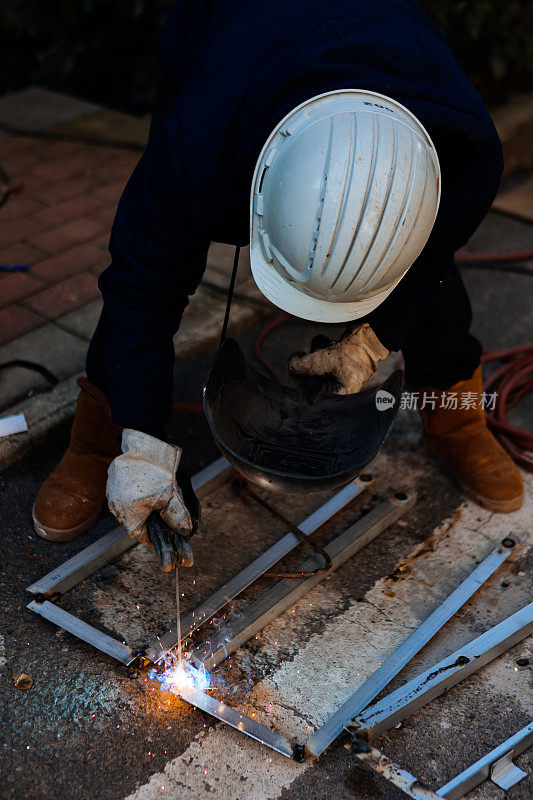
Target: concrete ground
x=88, y=729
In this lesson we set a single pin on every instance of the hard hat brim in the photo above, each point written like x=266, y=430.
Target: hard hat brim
x=296, y=302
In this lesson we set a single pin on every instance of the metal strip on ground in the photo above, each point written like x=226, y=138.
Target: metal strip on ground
x=235, y=719
x=118, y=650
x=400, y=777
x=285, y=593
x=386, y=713
x=164, y=644
x=485, y=767
x=116, y=542
x=370, y=689
x=83, y=564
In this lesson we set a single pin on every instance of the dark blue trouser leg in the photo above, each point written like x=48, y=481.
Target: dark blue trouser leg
x=440, y=350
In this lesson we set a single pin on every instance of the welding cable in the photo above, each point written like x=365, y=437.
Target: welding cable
x=52, y=379
x=259, y=345
x=511, y=382
x=498, y=262
x=242, y=487
x=502, y=258
x=188, y=408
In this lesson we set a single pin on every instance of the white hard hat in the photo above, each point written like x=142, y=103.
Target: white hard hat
x=344, y=196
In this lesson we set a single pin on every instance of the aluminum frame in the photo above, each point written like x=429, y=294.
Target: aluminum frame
x=191, y=622
x=277, y=600
x=235, y=719
x=395, y=707
x=288, y=591
x=370, y=689
x=73, y=571
x=496, y=765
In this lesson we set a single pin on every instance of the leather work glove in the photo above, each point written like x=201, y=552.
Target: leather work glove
x=152, y=498
x=352, y=360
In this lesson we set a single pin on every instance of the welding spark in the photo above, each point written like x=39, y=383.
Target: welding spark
x=180, y=675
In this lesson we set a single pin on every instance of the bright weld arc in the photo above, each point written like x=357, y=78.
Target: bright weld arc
x=180, y=676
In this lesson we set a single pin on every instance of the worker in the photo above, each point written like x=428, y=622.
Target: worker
x=370, y=126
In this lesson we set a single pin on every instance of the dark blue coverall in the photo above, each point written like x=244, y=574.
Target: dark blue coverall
x=233, y=69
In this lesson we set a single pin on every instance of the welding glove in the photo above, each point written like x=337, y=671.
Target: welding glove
x=351, y=361
x=145, y=479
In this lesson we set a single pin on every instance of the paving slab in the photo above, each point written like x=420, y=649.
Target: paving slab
x=518, y=201
x=107, y=124
x=82, y=321
x=56, y=349
x=36, y=108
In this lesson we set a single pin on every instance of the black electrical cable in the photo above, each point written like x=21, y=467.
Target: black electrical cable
x=242, y=488
x=32, y=365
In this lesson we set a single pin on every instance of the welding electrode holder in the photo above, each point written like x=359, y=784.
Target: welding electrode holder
x=172, y=548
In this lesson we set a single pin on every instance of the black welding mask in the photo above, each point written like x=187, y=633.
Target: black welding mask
x=280, y=438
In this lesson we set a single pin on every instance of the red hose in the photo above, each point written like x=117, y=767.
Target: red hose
x=188, y=408
x=259, y=342
x=511, y=382
x=466, y=258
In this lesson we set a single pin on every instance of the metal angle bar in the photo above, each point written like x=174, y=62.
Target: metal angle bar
x=121, y=652
x=386, y=713
x=236, y=720
x=211, y=477
x=400, y=777
x=481, y=770
x=370, y=689
x=83, y=564
x=163, y=644
x=116, y=542
x=286, y=592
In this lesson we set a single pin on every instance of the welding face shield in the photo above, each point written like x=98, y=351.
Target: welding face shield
x=279, y=439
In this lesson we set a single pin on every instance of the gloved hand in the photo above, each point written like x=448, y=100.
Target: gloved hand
x=353, y=360
x=142, y=481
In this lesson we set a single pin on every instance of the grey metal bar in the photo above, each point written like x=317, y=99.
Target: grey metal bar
x=236, y=720
x=163, y=644
x=83, y=564
x=490, y=766
x=364, y=695
x=116, y=542
x=211, y=477
x=387, y=712
x=400, y=777
x=82, y=630
x=286, y=592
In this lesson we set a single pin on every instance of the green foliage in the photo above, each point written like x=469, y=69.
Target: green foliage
x=104, y=50
x=491, y=39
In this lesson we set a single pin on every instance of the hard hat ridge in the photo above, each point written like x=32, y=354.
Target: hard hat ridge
x=344, y=196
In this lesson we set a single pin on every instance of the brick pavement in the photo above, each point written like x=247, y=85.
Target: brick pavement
x=58, y=224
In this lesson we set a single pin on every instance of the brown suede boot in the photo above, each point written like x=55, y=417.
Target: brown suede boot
x=70, y=499
x=460, y=439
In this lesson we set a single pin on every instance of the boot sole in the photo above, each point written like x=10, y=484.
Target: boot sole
x=488, y=503
x=498, y=506
x=67, y=534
